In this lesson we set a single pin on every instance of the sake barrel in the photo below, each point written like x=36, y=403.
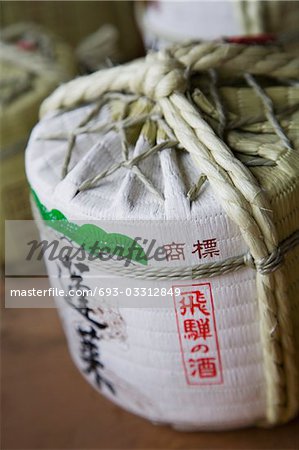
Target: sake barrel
x=192, y=151
x=33, y=62
x=166, y=22
x=75, y=21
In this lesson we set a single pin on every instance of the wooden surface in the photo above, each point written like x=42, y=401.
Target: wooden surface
x=46, y=404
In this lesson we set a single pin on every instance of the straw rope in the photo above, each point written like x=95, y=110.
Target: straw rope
x=161, y=74
x=164, y=78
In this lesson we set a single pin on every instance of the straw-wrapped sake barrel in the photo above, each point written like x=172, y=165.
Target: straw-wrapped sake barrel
x=193, y=150
x=74, y=21
x=33, y=62
x=162, y=23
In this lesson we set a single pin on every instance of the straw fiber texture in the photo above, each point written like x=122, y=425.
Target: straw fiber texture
x=27, y=77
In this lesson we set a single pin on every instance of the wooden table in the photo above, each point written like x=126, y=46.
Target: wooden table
x=48, y=405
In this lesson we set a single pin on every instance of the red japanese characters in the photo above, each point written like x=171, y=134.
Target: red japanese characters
x=175, y=251
x=198, y=334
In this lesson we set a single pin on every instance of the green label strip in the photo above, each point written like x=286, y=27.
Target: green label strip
x=88, y=235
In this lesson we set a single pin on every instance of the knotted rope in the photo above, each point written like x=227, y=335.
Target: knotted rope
x=164, y=78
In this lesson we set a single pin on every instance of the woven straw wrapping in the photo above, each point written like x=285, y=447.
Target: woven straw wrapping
x=234, y=109
x=276, y=16
x=27, y=78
